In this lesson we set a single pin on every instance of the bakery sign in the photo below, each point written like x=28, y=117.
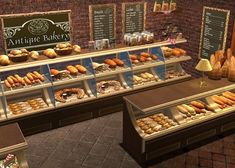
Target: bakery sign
x=36, y=31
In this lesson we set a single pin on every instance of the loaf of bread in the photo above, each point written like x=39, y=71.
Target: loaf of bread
x=81, y=69
x=118, y=62
x=50, y=53
x=55, y=72
x=4, y=60
x=111, y=63
x=72, y=70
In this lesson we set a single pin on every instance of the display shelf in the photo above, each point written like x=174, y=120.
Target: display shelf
x=148, y=65
x=86, y=55
x=74, y=102
x=123, y=90
x=118, y=70
x=149, y=123
x=148, y=84
x=27, y=88
x=179, y=59
x=11, y=116
x=72, y=79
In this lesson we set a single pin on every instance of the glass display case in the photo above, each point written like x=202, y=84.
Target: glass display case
x=166, y=119
x=43, y=85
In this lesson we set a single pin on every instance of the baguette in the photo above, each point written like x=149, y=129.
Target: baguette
x=207, y=107
x=197, y=104
x=39, y=76
x=183, y=110
x=217, y=100
x=190, y=109
x=227, y=95
x=198, y=110
x=228, y=101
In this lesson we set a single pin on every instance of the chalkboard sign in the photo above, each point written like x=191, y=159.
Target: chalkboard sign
x=134, y=16
x=36, y=31
x=102, y=21
x=214, y=31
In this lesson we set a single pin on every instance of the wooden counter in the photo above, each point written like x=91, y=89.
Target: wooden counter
x=170, y=93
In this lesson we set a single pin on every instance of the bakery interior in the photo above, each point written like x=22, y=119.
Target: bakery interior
x=117, y=83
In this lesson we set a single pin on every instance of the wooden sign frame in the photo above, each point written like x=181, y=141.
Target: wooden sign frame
x=91, y=19
x=233, y=39
x=202, y=27
x=124, y=14
x=2, y=17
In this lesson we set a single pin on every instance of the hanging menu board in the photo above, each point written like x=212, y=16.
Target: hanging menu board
x=134, y=15
x=102, y=21
x=214, y=31
x=36, y=31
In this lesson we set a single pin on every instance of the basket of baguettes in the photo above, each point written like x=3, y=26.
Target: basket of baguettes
x=223, y=65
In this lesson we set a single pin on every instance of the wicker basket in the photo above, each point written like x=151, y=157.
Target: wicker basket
x=215, y=74
x=231, y=75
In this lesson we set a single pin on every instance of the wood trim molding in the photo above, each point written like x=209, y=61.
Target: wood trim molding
x=233, y=39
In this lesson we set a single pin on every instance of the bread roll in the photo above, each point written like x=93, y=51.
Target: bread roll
x=142, y=59
x=27, y=81
x=81, y=69
x=133, y=57
x=145, y=54
x=182, y=109
x=154, y=57
x=118, y=62
x=217, y=100
x=16, y=52
x=111, y=63
x=72, y=70
x=54, y=72
x=77, y=48
x=34, y=55
x=176, y=52
x=229, y=96
x=50, y=53
x=19, y=79
x=4, y=60
x=23, y=50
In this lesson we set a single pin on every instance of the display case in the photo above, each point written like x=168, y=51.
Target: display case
x=168, y=119
x=34, y=87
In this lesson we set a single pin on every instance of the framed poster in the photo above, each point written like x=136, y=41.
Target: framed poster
x=133, y=17
x=102, y=21
x=36, y=31
x=213, y=31
x=233, y=39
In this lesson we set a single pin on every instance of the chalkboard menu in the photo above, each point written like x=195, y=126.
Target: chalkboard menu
x=134, y=15
x=214, y=31
x=36, y=31
x=102, y=21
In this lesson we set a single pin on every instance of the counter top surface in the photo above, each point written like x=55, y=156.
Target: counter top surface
x=155, y=97
x=11, y=136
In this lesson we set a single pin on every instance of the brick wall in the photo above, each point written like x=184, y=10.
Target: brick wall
x=188, y=18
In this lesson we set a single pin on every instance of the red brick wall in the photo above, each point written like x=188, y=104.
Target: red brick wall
x=188, y=17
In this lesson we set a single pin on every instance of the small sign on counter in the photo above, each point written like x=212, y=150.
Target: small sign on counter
x=214, y=31
x=102, y=21
x=134, y=17
x=36, y=31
